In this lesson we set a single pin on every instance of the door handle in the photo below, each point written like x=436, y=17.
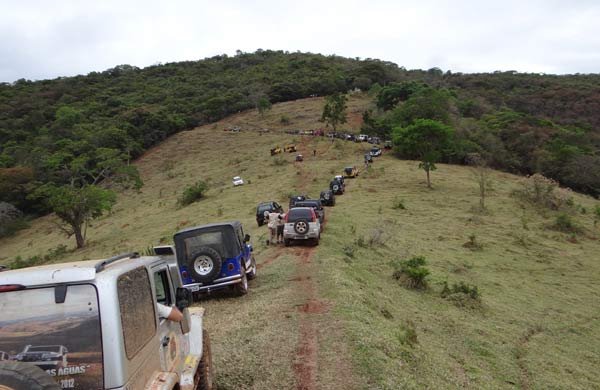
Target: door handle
x=165, y=341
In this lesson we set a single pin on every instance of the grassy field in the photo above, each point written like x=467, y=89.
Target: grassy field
x=334, y=316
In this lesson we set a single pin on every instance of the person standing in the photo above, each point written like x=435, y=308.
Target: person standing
x=273, y=220
x=280, y=224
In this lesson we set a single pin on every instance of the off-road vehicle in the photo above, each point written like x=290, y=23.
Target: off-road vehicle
x=296, y=198
x=316, y=205
x=301, y=223
x=327, y=198
x=299, y=158
x=214, y=256
x=368, y=158
x=375, y=152
x=102, y=317
x=351, y=171
x=270, y=207
x=337, y=186
x=4, y=356
x=387, y=144
x=275, y=150
x=290, y=148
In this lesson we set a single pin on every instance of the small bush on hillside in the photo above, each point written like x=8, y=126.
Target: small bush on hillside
x=285, y=120
x=596, y=214
x=564, y=223
x=348, y=251
x=398, y=204
x=462, y=294
x=52, y=254
x=412, y=272
x=376, y=237
x=361, y=242
x=473, y=244
x=408, y=333
x=545, y=192
x=193, y=193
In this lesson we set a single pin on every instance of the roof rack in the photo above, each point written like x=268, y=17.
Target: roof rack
x=100, y=265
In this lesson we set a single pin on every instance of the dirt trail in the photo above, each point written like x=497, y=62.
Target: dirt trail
x=313, y=312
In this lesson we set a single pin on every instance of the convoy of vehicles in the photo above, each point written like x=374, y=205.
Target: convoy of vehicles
x=115, y=338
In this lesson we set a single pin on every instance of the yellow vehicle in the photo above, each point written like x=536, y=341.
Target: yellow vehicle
x=275, y=150
x=291, y=148
x=351, y=171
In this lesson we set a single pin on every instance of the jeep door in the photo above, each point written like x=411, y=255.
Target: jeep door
x=173, y=344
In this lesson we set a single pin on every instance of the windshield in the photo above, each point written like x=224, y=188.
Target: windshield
x=32, y=324
x=264, y=207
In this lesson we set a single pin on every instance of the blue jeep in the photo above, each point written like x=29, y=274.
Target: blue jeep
x=215, y=256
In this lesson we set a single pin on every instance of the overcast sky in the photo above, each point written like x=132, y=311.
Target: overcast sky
x=42, y=39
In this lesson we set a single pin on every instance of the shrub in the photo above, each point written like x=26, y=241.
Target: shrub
x=376, y=237
x=462, y=294
x=408, y=333
x=193, y=193
x=398, y=204
x=412, y=272
x=285, y=120
x=473, y=244
x=348, y=251
x=564, y=223
x=596, y=214
x=545, y=192
x=52, y=254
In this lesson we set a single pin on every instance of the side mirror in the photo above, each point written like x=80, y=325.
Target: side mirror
x=183, y=298
x=246, y=238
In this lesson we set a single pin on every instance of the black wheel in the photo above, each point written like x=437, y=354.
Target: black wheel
x=316, y=241
x=252, y=273
x=19, y=375
x=241, y=288
x=301, y=226
x=335, y=188
x=205, y=264
x=259, y=223
x=205, y=367
x=286, y=241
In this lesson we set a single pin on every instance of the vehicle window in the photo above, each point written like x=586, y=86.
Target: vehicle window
x=138, y=317
x=263, y=208
x=61, y=338
x=211, y=239
x=299, y=213
x=161, y=287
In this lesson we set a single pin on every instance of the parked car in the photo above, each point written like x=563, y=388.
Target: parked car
x=238, y=181
x=368, y=158
x=271, y=207
x=301, y=223
x=351, y=171
x=106, y=333
x=362, y=138
x=294, y=199
x=215, y=256
x=387, y=144
x=327, y=198
x=4, y=356
x=375, y=152
x=275, y=150
x=316, y=205
x=337, y=186
x=299, y=157
x=290, y=148
x=3, y=268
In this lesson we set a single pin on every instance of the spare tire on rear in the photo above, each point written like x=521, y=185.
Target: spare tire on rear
x=205, y=264
x=19, y=375
x=301, y=226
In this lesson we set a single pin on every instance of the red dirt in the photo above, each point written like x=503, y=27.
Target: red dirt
x=315, y=306
x=271, y=258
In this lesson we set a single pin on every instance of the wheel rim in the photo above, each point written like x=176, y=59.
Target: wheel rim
x=301, y=227
x=203, y=265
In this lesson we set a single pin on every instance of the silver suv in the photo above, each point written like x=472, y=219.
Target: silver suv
x=95, y=325
x=301, y=223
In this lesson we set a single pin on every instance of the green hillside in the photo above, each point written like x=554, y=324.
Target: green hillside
x=336, y=316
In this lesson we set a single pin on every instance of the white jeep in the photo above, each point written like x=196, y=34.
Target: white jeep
x=103, y=316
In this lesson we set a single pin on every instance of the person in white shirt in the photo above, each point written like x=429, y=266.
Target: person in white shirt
x=169, y=312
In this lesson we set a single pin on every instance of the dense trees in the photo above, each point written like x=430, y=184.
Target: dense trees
x=84, y=127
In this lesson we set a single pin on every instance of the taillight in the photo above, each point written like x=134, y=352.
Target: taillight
x=11, y=287
x=286, y=217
